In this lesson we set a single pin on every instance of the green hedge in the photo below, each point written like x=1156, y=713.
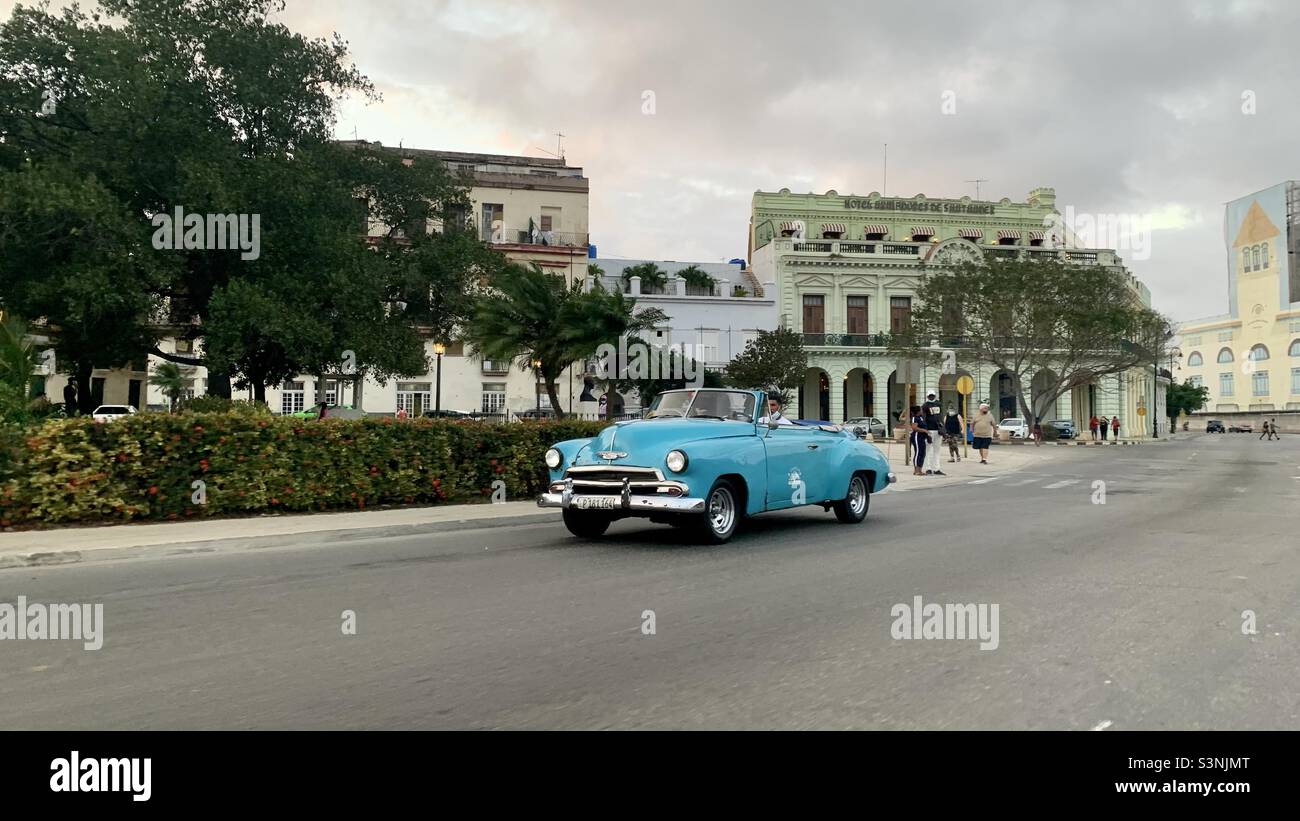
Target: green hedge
x=142, y=467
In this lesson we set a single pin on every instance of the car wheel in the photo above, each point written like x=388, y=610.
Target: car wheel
x=857, y=499
x=721, y=513
x=586, y=525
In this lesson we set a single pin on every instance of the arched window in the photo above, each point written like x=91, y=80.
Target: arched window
x=1254, y=257
x=1258, y=353
x=1194, y=359
x=1295, y=348
x=1225, y=355
x=1263, y=254
x=1245, y=259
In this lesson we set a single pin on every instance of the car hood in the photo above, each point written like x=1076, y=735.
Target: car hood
x=646, y=441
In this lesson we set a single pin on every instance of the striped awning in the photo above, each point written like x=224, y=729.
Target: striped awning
x=789, y=226
x=1008, y=234
x=883, y=230
x=923, y=231
x=970, y=233
x=832, y=228
x=1036, y=235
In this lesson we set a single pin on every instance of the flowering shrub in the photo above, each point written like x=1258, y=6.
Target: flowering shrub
x=145, y=466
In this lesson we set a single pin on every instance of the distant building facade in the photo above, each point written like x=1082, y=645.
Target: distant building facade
x=847, y=269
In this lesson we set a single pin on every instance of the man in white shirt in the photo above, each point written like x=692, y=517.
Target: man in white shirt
x=774, y=412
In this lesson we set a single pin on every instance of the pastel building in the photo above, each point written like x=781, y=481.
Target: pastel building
x=1249, y=358
x=847, y=269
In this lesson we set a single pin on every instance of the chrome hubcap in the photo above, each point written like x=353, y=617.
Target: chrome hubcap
x=857, y=495
x=722, y=510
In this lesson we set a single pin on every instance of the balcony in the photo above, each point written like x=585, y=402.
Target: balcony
x=495, y=367
x=905, y=248
x=552, y=239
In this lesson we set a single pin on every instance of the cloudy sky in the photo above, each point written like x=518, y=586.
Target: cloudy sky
x=1124, y=108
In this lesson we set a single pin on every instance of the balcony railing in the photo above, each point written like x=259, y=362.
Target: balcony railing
x=495, y=366
x=556, y=239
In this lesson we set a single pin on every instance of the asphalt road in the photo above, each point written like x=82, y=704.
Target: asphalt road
x=1123, y=615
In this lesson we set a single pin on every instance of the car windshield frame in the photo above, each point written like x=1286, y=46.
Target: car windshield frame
x=653, y=413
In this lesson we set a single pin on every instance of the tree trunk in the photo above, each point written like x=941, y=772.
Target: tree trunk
x=259, y=390
x=553, y=392
x=84, y=379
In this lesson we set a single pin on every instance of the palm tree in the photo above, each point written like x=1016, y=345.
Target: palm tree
x=697, y=279
x=545, y=326
x=653, y=278
x=18, y=362
x=172, y=380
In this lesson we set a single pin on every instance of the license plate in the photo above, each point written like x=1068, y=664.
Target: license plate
x=596, y=502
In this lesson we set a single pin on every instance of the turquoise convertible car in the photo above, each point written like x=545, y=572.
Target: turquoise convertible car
x=706, y=458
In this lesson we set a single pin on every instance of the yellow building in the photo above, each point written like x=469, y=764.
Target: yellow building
x=1249, y=358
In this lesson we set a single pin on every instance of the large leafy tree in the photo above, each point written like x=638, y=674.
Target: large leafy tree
x=773, y=359
x=1185, y=398
x=211, y=106
x=534, y=318
x=1066, y=325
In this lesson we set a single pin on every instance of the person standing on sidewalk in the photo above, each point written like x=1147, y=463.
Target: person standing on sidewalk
x=933, y=413
x=1092, y=426
x=1037, y=432
x=983, y=428
x=954, y=428
x=920, y=438
x=1104, y=426
x=1114, y=427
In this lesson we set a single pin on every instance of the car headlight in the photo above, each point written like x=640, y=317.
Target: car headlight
x=554, y=458
x=676, y=461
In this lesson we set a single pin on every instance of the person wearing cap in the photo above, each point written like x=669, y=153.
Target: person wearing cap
x=983, y=428
x=933, y=413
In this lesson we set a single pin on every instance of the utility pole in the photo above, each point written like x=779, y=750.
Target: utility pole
x=977, y=186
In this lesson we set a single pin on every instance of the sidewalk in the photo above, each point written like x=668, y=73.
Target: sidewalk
x=1004, y=457
x=74, y=544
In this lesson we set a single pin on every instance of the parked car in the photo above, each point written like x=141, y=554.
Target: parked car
x=1064, y=428
x=447, y=413
x=862, y=425
x=1015, y=428
x=107, y=413
x=703, y=459
x=1215, y=426
x=1242, y=427
x=536, y=413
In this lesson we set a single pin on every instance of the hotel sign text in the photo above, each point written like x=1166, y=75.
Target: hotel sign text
x=937, y=206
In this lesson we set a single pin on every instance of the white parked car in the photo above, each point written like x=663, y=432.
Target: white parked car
x=107, y=413
x=1015, y=428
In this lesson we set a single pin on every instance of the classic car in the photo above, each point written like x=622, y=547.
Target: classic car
x=1215, y=426
x=705, y=459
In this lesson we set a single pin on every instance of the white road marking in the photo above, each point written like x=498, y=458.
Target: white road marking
x=1065, y=483
x=1023, y=482
x=984, y=481
x=1103, y=725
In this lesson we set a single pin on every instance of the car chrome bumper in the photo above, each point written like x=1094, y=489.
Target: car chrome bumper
x=625, y=504
x=893, y=478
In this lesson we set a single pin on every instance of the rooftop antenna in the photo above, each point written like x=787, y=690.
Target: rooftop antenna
x=977, y=186
x=559, y=145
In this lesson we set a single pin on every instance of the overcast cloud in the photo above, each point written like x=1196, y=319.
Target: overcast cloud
x=1123, y=107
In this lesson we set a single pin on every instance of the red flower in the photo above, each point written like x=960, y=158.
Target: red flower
x=203, y=463
x=153, y=491
x=121, y=457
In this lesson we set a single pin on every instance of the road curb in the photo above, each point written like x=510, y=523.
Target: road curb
x=48, y=558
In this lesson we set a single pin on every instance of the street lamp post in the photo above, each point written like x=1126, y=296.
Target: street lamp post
x=1155, y=389
x=439, y=349
x=537, y=371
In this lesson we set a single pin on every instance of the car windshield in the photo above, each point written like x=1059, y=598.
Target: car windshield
x=705, y=404
x=1013, y=421
x=113, y=409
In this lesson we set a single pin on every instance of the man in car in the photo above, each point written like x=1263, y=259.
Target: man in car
x=774, y=412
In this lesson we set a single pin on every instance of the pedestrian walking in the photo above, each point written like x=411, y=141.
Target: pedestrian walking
x=70, y=398
x=954, y=427
x=1114, y=427
x=1037, y=432
x=1092, y=426
x=1104, y=426
x=1265, y=431
x=933, y=413
x=920, y=438
x=1272, y=430
x=983, y=428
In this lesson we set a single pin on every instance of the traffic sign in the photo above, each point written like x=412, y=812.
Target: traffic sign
x=965, y=386
x=1142, y=411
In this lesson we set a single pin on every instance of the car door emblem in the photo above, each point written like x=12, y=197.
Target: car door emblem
x=611, y=454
